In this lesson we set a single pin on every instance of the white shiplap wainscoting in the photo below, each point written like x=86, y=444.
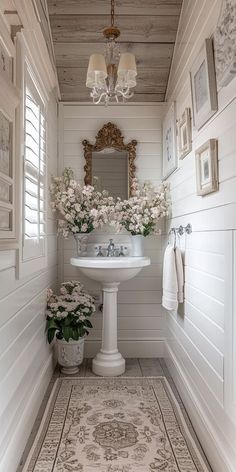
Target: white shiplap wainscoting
x=140, y=315
x=200, y=347
x=26, y=363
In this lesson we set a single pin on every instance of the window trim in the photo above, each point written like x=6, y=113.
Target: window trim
x=24, y=60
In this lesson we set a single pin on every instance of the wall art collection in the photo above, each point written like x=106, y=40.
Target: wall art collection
x=214, y=67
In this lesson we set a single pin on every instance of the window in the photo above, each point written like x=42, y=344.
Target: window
x=34, y=202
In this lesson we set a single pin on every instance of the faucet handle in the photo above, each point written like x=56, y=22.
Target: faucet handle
x=99, y=249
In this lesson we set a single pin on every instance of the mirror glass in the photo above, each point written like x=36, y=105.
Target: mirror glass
x=110, y=172
x=109, y=162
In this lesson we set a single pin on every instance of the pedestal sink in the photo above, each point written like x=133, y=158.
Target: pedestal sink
x=110, y=271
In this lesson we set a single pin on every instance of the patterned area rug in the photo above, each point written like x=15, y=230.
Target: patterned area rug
x=113, y=425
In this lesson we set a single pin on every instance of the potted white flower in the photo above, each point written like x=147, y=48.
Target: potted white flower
x=67, y=320
x=80, y=209
x=140, y=214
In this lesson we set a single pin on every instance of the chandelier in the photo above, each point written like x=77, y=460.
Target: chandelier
x=112, y=77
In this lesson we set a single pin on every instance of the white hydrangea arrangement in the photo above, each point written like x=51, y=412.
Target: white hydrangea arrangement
x=141, y=213
x=67, y=314
x=81, y=209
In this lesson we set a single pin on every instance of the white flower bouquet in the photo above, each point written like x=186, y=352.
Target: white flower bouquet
x=68, y=314
x=141, y=213
x=81, y=209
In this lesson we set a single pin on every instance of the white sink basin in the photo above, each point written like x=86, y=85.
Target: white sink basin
x=110, y=271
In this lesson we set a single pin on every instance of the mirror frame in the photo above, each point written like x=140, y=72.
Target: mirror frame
x=109, y=136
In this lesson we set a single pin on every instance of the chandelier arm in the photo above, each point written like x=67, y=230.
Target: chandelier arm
x=103, y=95
x=97, y=92
x=125, y=92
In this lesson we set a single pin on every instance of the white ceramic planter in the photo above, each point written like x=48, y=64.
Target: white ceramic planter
x=70, y=355
x=137, y=245
x=81, y=243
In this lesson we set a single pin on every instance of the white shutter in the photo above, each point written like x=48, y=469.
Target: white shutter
x=34, y=172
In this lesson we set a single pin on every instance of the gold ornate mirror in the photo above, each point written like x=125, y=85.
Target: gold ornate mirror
x=110, y=162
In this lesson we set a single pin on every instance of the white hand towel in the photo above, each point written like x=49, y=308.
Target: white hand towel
x=173, y=278
x=180, y=274
x=170, y=283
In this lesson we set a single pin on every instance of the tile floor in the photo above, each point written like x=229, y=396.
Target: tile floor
x=134, y=368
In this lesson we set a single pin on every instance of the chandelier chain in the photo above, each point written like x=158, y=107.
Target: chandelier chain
x=112, y=12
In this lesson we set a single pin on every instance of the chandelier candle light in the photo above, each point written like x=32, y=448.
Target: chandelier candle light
x=109, y=81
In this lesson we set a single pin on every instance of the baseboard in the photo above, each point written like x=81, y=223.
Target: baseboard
x=213, y=445
x=129, y=348
x=22, y=430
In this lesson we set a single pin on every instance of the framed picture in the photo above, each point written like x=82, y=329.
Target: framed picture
x=169, y=163
x=203, y=86
x=9, y=99
x=225, y=44
x=207, y=168
x=5, y=62
x=6, y=176
x=184, y=134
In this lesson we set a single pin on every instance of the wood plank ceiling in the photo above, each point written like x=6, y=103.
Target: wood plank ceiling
x=148, y=29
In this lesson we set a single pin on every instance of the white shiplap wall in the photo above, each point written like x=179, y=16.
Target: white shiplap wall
x=201, y=338
x=140, y=315
x=26, y=364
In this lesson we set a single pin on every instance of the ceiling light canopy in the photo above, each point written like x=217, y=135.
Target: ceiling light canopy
x=111, y=82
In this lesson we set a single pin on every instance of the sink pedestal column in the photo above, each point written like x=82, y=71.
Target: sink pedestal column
x=109, y=362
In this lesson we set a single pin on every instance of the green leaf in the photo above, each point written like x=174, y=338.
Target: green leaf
x=50, y=334
x=51, y=323
x=66, y=331
x=88, y=324
x=67, y=321
x=75, y=334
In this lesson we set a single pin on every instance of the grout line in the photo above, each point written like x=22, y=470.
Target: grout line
x=139, y=363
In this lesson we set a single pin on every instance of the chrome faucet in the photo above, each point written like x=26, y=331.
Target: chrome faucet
x=110, y=248
x=121, y=252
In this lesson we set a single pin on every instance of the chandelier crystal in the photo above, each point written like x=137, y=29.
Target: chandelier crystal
x=112, y=77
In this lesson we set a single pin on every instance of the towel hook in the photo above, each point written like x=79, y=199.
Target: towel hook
x=180, y=230
x=173, y=231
